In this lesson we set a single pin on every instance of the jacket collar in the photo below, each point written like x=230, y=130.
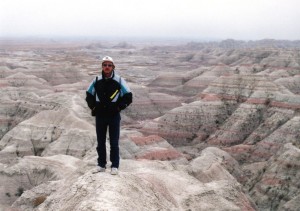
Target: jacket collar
x=111, y=76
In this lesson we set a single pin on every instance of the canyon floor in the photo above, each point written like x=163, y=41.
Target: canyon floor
x=212, y=126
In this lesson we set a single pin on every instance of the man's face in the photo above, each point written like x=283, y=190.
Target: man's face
x=107, y=68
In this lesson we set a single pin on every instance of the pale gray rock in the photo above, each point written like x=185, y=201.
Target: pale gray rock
x=153, y=185
x=213, y=165
x=190, y=122
x=50, y=132
x=276, y=186
x=148, y=104
x=291, y=83
x=291, y=205
x=32, y=171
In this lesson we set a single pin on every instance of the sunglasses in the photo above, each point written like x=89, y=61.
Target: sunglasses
x=107, y=65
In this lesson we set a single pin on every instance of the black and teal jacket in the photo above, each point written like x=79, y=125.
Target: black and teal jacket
x=108, y=96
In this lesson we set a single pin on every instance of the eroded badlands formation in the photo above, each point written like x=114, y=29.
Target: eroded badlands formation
x=213, y=126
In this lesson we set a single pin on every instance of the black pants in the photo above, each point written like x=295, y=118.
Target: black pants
x=113, y=125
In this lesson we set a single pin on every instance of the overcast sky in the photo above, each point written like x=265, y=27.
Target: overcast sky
x=200, y=19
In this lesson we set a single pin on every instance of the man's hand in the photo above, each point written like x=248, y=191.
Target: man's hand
x=93, y=111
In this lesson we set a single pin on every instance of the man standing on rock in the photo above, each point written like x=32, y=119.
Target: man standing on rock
x=106, y=96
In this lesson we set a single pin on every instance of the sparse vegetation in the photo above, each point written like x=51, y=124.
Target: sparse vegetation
x=20, y=191
x=39, y=200
x=289, y=165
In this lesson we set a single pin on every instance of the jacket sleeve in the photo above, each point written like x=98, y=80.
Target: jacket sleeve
x=126, y=95
x=125, y=101
x=90, y=95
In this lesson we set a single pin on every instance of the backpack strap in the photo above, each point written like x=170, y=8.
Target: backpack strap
x=94, y=87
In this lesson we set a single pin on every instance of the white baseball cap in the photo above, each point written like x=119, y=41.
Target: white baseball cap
x=107, y=59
